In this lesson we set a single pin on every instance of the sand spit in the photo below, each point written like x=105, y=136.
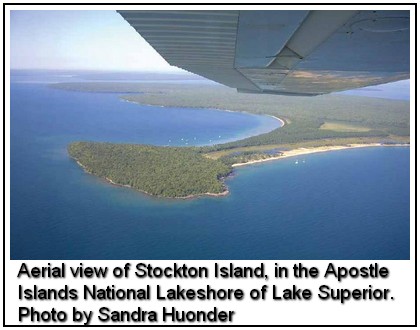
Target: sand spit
x=307, y=151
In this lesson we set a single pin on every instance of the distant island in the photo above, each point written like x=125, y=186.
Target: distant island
x=312, y=124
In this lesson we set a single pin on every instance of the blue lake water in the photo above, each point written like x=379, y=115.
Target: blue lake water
x=351, y=204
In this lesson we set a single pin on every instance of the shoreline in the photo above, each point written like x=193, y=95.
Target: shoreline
x=286, y=154
x=207, y=194
x=282, y=122
x=224, y=193
x=308, y=151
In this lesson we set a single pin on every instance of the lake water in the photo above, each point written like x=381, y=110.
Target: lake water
x=398, y=90
x=351, y=204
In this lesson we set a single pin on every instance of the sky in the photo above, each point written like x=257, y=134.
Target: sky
x=94, y=40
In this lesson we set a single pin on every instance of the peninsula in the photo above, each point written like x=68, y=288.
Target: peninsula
x=317, y=124
x=159, y=171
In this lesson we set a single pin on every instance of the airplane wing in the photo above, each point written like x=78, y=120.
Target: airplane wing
x=282, y=52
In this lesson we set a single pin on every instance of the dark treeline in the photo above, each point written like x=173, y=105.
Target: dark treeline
x=294, y=132
x=159, y=171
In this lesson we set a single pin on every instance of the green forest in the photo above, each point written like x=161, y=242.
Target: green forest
x=159, y=171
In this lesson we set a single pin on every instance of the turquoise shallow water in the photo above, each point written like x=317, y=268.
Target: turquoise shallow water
x=351, y=204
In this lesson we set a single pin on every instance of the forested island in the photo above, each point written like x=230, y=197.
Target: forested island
x=310, y=123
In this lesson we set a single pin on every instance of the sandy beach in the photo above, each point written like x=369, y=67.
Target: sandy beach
x=306, y=151
x=282, y=123
x=285, y=154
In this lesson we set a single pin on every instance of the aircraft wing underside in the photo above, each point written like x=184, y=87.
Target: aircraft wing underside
x=282, y=52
